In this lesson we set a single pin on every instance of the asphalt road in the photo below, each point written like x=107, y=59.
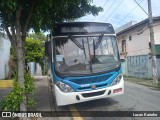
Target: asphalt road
x=136, y=98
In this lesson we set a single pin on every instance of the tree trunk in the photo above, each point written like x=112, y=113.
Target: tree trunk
x=21, y=67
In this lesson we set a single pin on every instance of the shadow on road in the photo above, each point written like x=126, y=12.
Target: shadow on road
x=94, y=104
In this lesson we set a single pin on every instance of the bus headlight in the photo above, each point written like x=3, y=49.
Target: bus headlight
x=64, y=87
x=117, y=80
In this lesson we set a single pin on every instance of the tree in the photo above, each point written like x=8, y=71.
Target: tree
x=37, y=36
x=19, y=16
x=34, y=47
x=34, y=53
x=34, y=50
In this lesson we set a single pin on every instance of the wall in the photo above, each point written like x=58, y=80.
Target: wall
x=157, y=33
x=158, y=67
x=123, y=65
x=32, y=68
x=139, y=66
x=4, y=55
x=137, y=60
x=138, y=45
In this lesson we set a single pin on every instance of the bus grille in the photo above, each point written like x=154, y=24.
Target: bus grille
x=97, y=86
x=91, y=79
x=85, y=95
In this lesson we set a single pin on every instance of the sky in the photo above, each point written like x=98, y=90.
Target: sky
x=119, y=12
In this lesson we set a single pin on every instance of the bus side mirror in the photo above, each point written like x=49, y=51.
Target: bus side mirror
x=47, y=48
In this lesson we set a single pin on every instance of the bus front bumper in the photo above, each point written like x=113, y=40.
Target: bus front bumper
x=77, y=97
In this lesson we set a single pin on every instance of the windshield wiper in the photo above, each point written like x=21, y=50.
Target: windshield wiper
x=96, y=45
x=89, y=55
x=78, y=44
x=94, y=50
x=84, y=49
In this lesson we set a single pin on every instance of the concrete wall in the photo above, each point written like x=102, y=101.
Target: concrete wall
x=138, y=45
x=4, y=55
x=157, y=33
x=32, y=68
x=139, y=66
x=158, y=67
x=38, y=70
x=157, y=41
x=123, y=64
x=137, y=60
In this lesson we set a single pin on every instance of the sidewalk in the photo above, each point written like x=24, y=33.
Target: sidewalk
x=43, y=96
x=146, y=82
x=4, y=92
x=5, y=87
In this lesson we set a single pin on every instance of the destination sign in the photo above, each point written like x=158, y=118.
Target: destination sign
x=83, y=28
x=86, y=29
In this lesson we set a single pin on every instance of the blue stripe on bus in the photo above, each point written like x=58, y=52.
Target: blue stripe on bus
x=84, y=83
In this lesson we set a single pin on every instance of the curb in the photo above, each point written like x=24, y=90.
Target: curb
x=6, y=83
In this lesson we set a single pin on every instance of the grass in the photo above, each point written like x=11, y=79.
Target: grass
x=146, y=82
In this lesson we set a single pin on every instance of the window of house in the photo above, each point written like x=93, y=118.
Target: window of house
x=130, y=38
x=123, y=45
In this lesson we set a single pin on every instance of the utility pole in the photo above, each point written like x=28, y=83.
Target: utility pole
x=153, y=52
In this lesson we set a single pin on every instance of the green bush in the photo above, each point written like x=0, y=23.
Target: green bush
x=29, y=90
x=12, y=101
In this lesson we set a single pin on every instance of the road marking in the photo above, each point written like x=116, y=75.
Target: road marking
x=75, y=113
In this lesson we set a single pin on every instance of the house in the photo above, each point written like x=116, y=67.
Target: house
x=4, y=55
x=135, y=49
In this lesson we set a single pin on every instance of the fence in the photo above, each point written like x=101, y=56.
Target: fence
x=139, y=66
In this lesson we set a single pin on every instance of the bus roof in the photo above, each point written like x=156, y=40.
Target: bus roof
x=82, y=28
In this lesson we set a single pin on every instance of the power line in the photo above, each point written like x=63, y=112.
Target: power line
x=108, y=9
x=141, y=7
x=129, y=12
x=115, y=9
x=102, y=7
x=105, y=3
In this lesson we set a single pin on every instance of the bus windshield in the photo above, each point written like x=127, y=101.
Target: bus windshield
x=85, y=54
